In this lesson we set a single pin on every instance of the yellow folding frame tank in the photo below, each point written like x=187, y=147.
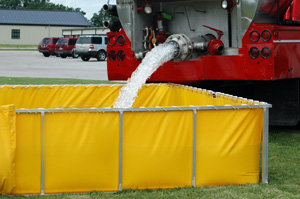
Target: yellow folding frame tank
x=68, y=138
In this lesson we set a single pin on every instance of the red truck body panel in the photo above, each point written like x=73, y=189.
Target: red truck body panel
x=283, y=63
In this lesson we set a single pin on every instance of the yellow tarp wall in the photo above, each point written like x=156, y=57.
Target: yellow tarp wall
x=7, y=149
x=158, y=149
x=84, y=96
x=28, y=154
x=81, y=158
x=81, y=150
x=228, y=146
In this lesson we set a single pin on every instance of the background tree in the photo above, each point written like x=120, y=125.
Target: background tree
x=98, y=18
x=10, y=4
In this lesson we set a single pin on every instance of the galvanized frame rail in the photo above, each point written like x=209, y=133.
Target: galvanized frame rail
x=121, y=151
x=42, y=153
x=265, y=147
x=265, y=137
x=143, y=109
x=194, y=146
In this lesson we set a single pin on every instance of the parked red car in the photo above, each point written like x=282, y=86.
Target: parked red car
x=65, y=47
x=47, y=46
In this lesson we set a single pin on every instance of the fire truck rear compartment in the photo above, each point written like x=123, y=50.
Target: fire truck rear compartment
x=261, y=47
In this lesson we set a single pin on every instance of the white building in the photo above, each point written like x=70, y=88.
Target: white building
x=30, y=26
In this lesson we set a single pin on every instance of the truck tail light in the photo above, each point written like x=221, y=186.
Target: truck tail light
x=254, y=36
x=112, y=40
x=121, y=40
x=91, y=46
x=112, y=55
x=265, y=52
x=266, y=35
x=253, y=52
x=121, y=55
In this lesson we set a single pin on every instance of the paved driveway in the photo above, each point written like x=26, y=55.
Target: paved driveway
x=34, y=64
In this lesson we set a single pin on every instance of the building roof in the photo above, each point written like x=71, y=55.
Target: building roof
x=42, y=17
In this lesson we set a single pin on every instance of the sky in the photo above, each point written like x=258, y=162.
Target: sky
x=88, y=6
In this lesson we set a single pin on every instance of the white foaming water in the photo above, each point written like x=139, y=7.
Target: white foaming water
x=153, y=59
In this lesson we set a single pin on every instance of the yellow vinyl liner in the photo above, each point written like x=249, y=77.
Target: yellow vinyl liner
x=67, y=138
x=7, y=149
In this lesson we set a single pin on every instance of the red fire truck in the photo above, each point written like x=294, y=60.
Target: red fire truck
x=249, y=48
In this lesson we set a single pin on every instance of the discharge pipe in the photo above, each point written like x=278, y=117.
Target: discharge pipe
x=185, y=47
x=113, y=25
x=139, y=56
x=111, y=9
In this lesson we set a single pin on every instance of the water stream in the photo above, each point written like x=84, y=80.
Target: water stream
x=152, y=61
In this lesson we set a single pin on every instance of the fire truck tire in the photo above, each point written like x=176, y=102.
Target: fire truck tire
x=101, y=55
x=85, y=58
x=46, y=54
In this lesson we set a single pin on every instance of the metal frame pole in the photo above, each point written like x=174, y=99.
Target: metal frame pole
x=120, y=150
x=194, y=146
x=42, y=154
x=265, y=148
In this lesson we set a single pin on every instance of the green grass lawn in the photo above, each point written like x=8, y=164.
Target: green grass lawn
x=11, y=47
x=39, y=81
x=17, y=46
x=18, y=49
x=284, y=167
